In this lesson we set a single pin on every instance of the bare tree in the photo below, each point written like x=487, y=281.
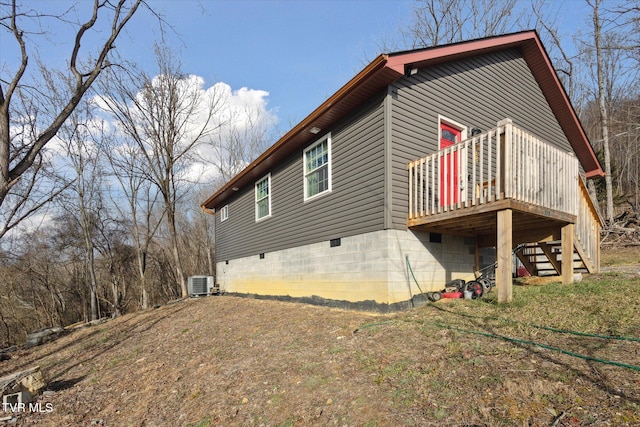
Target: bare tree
x=117, y=259
x=198, y=241
x=243, y=136
x=33, y=291
x=604, y=115
x=545, y=16
x=20, y=152
x=167, y=116
x=79, y=136
x=609, y=49
x=140, y=209
x=438, y=22
x=626, y=15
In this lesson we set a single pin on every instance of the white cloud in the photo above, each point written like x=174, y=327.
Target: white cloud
x=242, y=114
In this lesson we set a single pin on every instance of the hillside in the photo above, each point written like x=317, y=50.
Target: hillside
x=232, y=361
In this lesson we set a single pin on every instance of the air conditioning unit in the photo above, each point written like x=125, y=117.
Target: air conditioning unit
x=201, y=285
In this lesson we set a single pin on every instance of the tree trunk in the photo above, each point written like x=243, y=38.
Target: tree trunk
x=93, y=286
x=173, y=235
x=142, y=266
x=87, y=228
x=604, y=115
x=116, y=299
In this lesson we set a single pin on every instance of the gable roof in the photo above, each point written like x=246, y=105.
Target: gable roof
x=387, y=68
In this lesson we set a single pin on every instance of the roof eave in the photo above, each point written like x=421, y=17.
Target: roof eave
x=538, y=61
x=376, y=66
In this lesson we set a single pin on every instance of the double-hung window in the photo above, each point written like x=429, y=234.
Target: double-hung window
x=263, y=198
x=317, y=168
x=224, y=213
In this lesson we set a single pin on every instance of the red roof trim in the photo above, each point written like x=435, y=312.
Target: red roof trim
x=424, y=57
x=386, y=68
x=541, y=67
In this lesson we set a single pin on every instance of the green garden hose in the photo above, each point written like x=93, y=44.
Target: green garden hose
x=548, y=347
x=548, y=328
x=527, y=342
x=413, y=275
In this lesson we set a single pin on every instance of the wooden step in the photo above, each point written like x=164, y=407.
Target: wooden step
x=546, y=258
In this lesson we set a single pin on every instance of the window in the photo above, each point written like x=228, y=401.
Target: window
x=450, y=132
x=317, y=168
x=263, y=198
x=224, y=213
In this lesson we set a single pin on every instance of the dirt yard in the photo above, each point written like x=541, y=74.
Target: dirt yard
x=222, y=360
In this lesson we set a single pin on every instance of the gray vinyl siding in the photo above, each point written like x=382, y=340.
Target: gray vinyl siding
x=476, y=92
x=354, y=206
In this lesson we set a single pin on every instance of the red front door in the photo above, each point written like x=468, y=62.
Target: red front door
x=449, y=174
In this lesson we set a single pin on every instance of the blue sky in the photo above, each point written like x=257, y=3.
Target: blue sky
x=300, y=52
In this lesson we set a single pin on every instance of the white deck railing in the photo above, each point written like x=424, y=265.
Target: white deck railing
x=502, y=163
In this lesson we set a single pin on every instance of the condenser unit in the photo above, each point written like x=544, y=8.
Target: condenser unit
x=201, y=285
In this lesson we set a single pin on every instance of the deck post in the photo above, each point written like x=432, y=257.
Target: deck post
x=504, y=174
x=567, y=253
x=504, y=241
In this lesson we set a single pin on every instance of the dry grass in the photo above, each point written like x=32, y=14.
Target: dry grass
x=233, y=361
x=621, y=256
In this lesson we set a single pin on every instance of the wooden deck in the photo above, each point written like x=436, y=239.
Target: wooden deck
x=530, y=223
x=481, y=173
x=506, y=187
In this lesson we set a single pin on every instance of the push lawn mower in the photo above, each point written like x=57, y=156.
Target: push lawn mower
x=472, y=289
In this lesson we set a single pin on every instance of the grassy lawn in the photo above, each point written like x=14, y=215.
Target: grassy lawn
x=621, y=256
x=567, y=352
x=563, y=355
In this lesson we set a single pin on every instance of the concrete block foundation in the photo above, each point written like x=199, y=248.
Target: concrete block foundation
x=367, y=271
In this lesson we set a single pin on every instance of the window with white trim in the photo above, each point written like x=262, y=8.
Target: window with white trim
x=458, y=128
x=317, y=168
x=224, y=213
x=263, y=198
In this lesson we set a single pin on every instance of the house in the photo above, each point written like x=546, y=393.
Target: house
x=416, y=165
